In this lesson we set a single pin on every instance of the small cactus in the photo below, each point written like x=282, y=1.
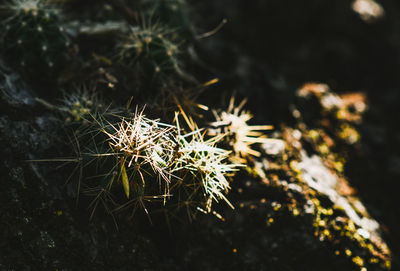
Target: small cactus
x=156, y=162
x=153, y=50
x=241, y=136
x=80, y=105
x=34, y=38
x=171, y=12
x=207, y=165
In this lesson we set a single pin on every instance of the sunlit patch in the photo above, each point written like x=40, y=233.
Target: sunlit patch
x=234, y=123
x=369, y=10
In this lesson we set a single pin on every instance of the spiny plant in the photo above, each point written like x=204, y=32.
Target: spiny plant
x=170, y=12
x=81, y=105
x=183, y=98
x=78, y=107
x=206, y=163
x=33, y=37
x=141, y=149
x=153, y=162
x=153, y=50
x=240, y=135
x=142, y=143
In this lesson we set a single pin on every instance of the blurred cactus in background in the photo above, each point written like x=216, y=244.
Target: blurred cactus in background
x=153, y=51
x=34, y=41
x=173, y=13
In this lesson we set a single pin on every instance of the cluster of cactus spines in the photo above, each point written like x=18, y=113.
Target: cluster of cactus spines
x=206, y=163
x=34, y=38
x=185, y=99
x=153, y=49
x=79, y=106
x=170, y=12
x=241, y=136
x=142, y=144
x=151, y=162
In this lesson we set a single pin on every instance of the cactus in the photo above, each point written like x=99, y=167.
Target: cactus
x=153, y=50
x=34, y=38
x=147, y=162
x=240, y=135
x=80, y=105
x=208, y=169
x=170, y=12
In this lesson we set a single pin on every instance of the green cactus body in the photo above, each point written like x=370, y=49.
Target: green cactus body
x=33, y=38
x=153, y=51
x=171, y=12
